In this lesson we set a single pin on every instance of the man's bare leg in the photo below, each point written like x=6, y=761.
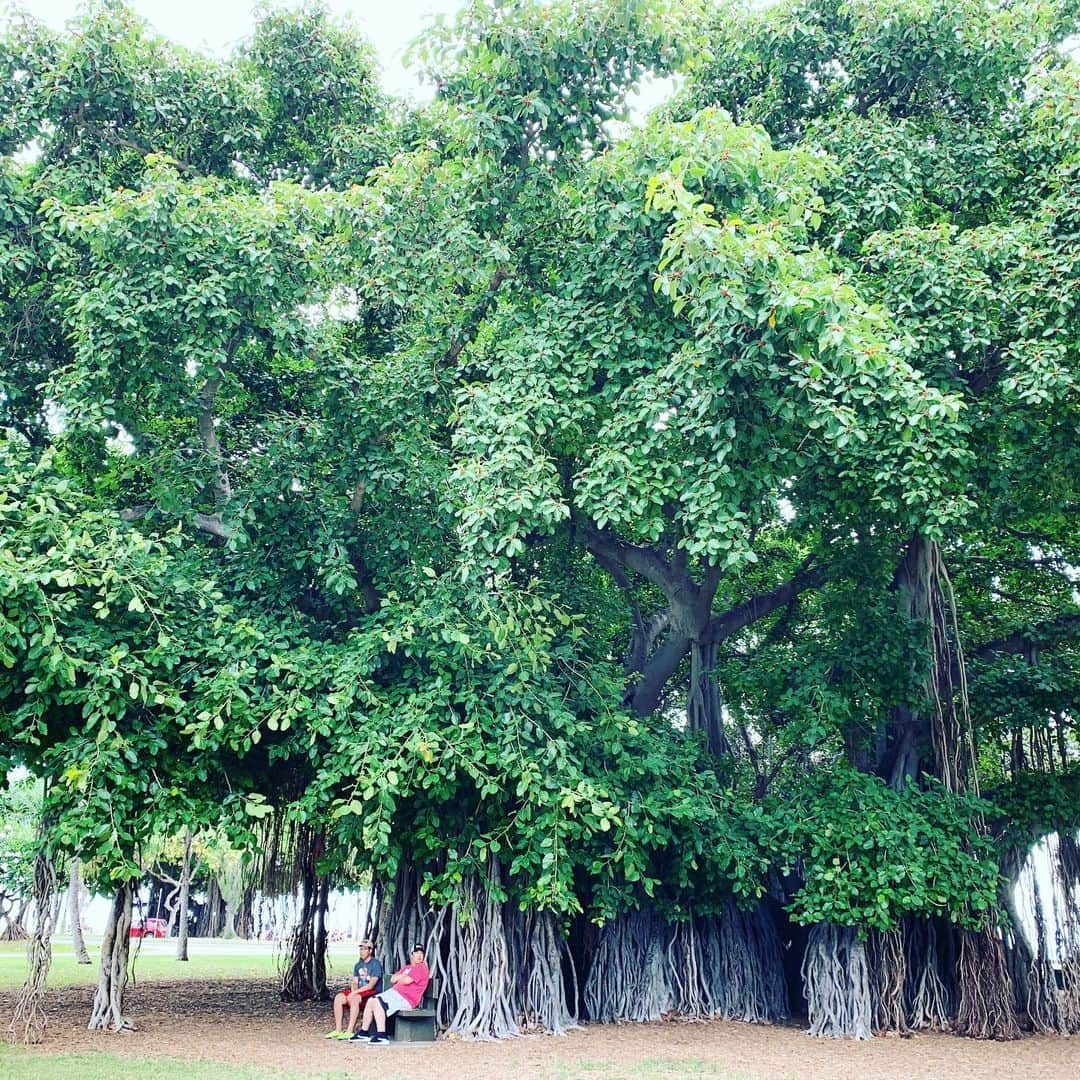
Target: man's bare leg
x=369, y=1012
x=356, y=999
x=379, y=1013
x=339, y=1008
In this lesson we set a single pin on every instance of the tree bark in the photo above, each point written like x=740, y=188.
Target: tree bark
x=244, y=918
x=75, y=904
x=986, y=1008
x=704, y=711
x=107, y=1012
x=937, y=727
x=322, y=991
x=304, y=978
x=211, y=921
x=182, y=907
x=13, y=925
x=28, y=1020
x=658, y=669
x=690, y=626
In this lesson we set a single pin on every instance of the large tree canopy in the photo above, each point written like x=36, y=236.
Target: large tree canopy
x=581, y=527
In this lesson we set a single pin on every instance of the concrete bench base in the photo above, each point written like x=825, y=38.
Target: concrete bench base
x=414, y=1025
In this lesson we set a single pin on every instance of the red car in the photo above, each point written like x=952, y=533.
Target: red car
x=149, y=928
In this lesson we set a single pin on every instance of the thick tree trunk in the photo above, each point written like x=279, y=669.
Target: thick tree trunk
x=1065, y=860
x=29, y=1021
x=75, y=905
x=107, y=1012
x=244, y=919
x=704, y=711
x=906, y=743
x=646, y=693
x=182, y=906
x=211, y=921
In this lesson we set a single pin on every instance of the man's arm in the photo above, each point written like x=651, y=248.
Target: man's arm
x=374, y=974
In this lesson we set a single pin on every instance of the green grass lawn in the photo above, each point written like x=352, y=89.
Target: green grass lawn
x=209, y=959
x=22, y=1063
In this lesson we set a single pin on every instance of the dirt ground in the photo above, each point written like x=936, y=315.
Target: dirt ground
x=244, y=1023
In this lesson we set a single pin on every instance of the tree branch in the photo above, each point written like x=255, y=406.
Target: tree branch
x=210, y=441
x=207, y=523
x=1065, y=626
x=119, y=141
x=466, y=333
x=664, y=662
x=677, y=585
x=757, y=607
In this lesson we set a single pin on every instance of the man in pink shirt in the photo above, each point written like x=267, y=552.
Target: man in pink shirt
x=407, y=986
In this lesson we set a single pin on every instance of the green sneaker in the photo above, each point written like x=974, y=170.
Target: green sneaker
x=335, y=1034
x=342, y=1035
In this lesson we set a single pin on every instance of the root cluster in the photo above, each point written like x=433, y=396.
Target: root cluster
x=730, y=966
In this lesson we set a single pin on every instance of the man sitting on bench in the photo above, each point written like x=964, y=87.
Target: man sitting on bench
x=407, y=986
x=366, y=982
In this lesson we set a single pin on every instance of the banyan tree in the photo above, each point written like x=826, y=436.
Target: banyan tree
x=643, y=553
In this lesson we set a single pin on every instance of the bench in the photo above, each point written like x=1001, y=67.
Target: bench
x=416, y=1025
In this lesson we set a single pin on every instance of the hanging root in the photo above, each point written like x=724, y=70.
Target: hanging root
x=304, y=975
x=686, y=952
x=837, y=982
x=986, y=994
x=1065, y=864
x=479, y=965
x=107, y=1012
x=950, y=723
x=29, y=1021
x=628, y=977
x=403, y=919
x=730, y=966
x=747, y=967
x=927, y=1001
x=886, y=961
x=501, y=971
x=542, y=951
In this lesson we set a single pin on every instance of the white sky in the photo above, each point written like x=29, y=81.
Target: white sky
x=216, y=25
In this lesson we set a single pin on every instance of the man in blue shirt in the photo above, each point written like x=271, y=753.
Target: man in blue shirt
x=367, y=980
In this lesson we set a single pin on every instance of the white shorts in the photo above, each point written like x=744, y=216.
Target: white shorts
x=393, y=1002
